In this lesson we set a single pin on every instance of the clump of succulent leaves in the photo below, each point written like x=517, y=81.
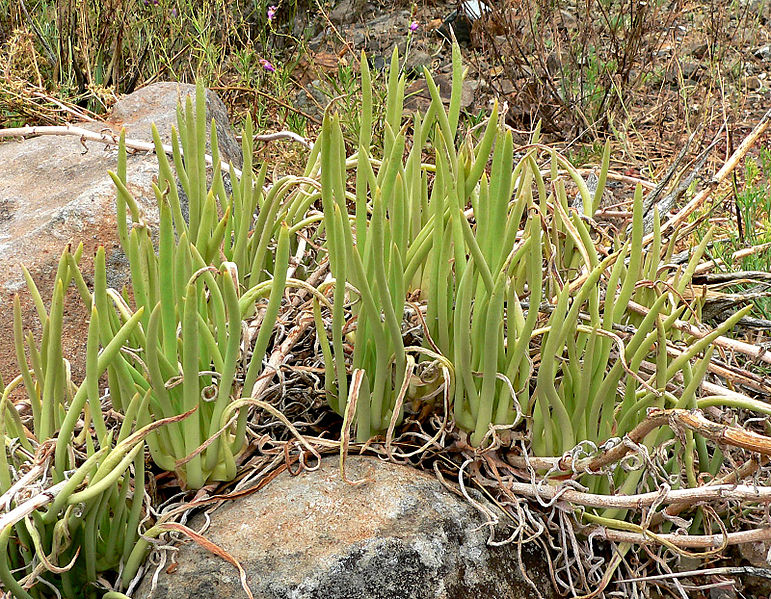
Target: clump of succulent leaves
x=518, y=292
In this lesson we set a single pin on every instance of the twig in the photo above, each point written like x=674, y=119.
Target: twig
x=78, y=113
x=41, y=499
x=702, y=196
x=719, y=177
x=677, y=419
x=745, y=470
x=267, y=137
x=653, y=198
x=665, y=204
x=719, y=433
x=259, y=92
x=213, y=548
x=749, y=493
x=279, y=354
x=729, y=374
x=726, y=571
x=753, y=351
x=684, y=541
x=741, y=276
x=34, y=472
x=613, y=175
x=53, y=61
x=108, y=138
x=735, y=257
x=693, y=420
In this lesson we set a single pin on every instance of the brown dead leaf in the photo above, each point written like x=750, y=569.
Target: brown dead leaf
x=315, y=66
x=211, y=547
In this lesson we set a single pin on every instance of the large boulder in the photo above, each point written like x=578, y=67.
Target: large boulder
x=54, y=190
x=401, y=534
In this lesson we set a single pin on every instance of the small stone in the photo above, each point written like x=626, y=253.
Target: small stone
x=311, y=99
x=763, y=53
x=698, y=50
x=468, y=92
x=474, y=9
x=505, y=87
x=343, y=13
x=690, y=69
x=416, y=61
x=757, y=554
x=358, y=37
x=568, y=21
x=419, y=98
x=554, y=63
x=458, y=23
x=317, y=42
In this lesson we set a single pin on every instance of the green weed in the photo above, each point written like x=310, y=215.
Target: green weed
x=753, y=228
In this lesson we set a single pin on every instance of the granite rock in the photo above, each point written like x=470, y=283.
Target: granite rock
x=312, y=536
x=55, y=190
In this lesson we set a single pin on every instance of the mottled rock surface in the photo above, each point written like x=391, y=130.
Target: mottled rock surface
x=313, y=536
x=157, y=103
x=55, y=191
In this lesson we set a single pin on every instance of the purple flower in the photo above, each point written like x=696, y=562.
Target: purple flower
x=267, y=66
x=174, y=13
x=272, y=12
x=414, y=26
